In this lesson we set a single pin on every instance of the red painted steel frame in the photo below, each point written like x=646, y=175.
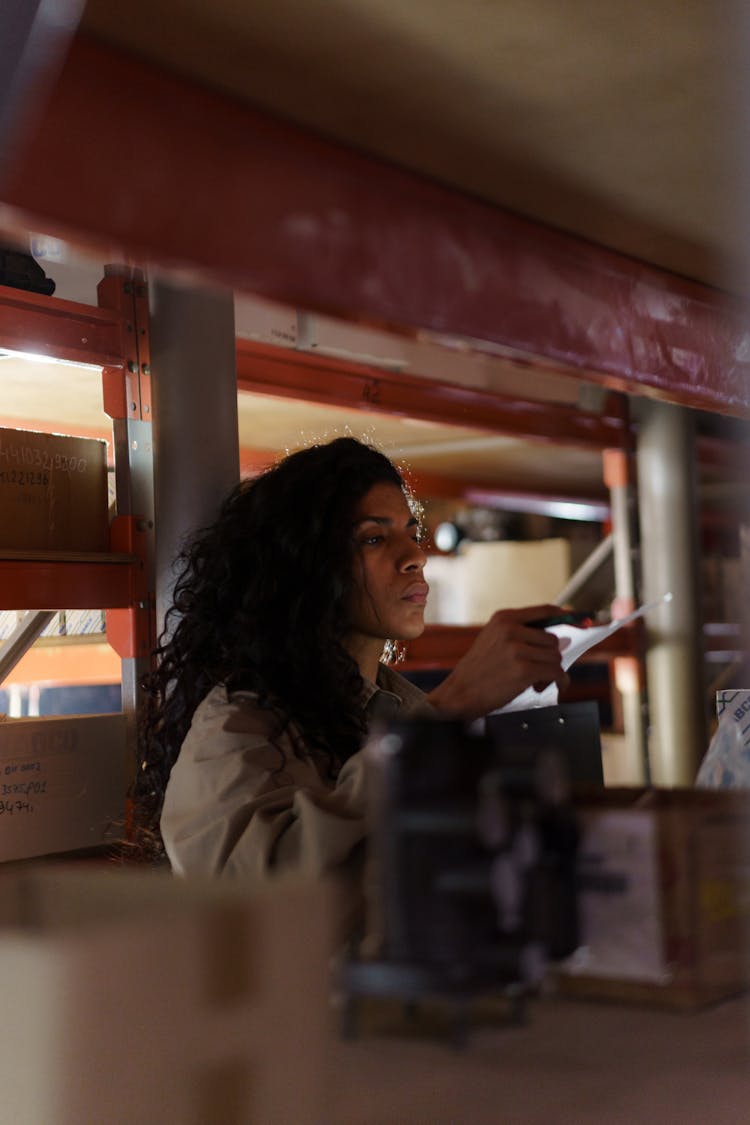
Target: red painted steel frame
x=127, y=387
x=137, y=160
x=268, y=369
x=68, y=581
x=54, y=584
x=41, y=325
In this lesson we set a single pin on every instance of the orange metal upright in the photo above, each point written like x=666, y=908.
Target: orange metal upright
x=629, y=670
x=127, y=399
x=126, y=389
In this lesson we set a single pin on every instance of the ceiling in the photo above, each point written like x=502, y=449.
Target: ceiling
x=610, y=119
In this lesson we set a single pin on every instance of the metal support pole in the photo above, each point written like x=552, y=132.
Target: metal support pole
x=669, y=550
x=127, y=400
x=628, y=671
x=28, y=630
x=586, y=570
x=196, y=437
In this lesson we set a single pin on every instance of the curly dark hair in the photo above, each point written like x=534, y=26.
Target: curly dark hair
x=260, y=604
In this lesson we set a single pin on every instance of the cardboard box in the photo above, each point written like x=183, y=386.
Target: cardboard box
x=677, y=933
x=62, y=783
x=136, y=997
x=53, y=492
x=467, y=588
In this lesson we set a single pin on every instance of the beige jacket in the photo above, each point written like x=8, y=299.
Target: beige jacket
x=232, y=805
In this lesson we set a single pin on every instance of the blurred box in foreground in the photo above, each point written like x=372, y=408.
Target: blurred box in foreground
x=53, y=492
x=668, y=922
x=136, y=997
x=62, y=783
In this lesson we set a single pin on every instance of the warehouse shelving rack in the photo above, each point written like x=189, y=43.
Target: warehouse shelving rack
x=294, y=218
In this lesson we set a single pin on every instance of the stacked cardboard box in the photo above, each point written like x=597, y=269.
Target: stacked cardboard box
x=467, y=588
x=53, y=492
x=667, y=917
x=62, y=783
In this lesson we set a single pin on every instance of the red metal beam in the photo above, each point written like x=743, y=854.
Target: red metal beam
x=65, y=584
x=66, y=663
x=41, y=325
x=130, y=158
x=487, y=493
x=725, y=456
x=435, y=486
x=68, y=580
x=255, y=461
x=271, y=370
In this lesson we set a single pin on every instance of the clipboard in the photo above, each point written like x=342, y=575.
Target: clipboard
x=572, y=729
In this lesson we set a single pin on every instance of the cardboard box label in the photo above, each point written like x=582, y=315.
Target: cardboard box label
x=62, y=783
x=727, y=761
x=680, y=930
x=53, y=492
x=622, y=931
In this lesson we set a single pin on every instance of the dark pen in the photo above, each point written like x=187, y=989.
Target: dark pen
x=579, y=618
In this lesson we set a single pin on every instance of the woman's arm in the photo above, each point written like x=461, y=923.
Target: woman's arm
x=240, y=802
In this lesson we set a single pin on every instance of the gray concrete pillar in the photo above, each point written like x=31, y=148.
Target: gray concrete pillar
x=667, y=497
x=628, y=670
x=195, y=429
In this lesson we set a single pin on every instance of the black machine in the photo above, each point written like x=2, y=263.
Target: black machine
x=474, y=841
x=20, y=271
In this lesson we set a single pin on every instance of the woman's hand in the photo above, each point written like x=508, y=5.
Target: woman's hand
x=507, y=657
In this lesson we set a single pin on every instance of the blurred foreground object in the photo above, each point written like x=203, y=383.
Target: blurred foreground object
x=474, y=866
x=141, y=998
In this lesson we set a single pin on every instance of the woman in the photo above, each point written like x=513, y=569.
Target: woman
x=284, y=613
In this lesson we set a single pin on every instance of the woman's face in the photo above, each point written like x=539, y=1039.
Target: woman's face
x=390, y=592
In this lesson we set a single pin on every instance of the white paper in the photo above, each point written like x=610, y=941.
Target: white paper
x=580, y=641
x=622, y=933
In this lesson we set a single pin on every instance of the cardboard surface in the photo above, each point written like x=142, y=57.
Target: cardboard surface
x=136, y=997
x=53, y=492
x=509, y=575
x=678, y=931
x=467, y=588
x=62, y=783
